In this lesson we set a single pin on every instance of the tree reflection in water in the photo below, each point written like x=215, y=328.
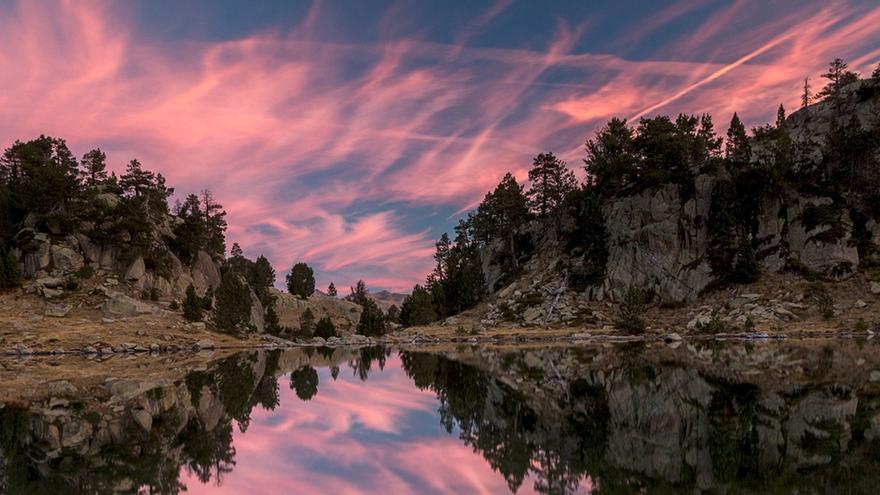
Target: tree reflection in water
x=618, y=420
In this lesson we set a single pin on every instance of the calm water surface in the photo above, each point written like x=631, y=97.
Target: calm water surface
x=702, y=418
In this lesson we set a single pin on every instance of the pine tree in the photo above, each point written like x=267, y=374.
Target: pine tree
x=136, y=181
x=301, y=281
x=876, y=74
x=94, y=167
x=417, y=308
x=192, y=305
x=393, y=314
x=307, y=322
x=262, y=278
x=325, y=328
x=838, y=78
x=501, y=214
x=190, y=234
x=738, y=149
x=232, y=307
x=271, y=322
x=331, y=290
x=215, y=224
x=611, y=163
x=372, y=321
x=807, y=95
x=780, y=117
x=551, y=182
x=359, y=293
x=236, y=251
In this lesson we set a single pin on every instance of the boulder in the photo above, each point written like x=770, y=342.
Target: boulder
x=90, y=251
x=136, y=270
x=205, y=273
x=50, y=282
x=875, y=288
x=66, y=259
x=256, y=312
x=121, y=306
x=57, y=310
x=107, y=199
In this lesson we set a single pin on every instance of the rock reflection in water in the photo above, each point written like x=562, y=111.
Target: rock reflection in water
x=717, y=418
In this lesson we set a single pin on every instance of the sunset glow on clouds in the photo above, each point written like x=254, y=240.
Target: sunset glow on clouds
x=353, y=437
x=351, y=136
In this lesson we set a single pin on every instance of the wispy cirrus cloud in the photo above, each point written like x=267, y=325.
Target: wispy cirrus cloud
x=323, y=147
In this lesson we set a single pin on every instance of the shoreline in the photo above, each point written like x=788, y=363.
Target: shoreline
x=526, y=336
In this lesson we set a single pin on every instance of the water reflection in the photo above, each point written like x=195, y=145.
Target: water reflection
x=714, y=418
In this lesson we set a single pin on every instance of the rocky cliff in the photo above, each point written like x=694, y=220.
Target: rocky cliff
x=665, y=238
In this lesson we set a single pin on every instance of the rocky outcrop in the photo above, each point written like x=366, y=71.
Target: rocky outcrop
x=658, y=241
x=344, y=314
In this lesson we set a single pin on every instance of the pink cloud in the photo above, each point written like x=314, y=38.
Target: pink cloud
x=294, y=143
x=279, y=456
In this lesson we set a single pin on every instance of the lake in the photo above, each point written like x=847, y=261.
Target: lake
x=690, y=417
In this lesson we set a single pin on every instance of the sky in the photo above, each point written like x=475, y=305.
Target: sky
x=350, y=135
x=352, y=437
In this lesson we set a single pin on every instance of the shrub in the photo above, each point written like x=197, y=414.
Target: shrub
x=630, y=317
x=818, y=293
x=192, y=305
x=154, y=294
x=10, y=272
x=325, y=328
x=84, y=273
x=714, y=325
x=232, y=310
x=745, y=266
x=174, y=306
x=71, y=283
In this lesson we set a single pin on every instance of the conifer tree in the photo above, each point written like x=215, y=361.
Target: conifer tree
x=838, y=77
x=94, y=167
x=271, y=322
x=501, y=214
x=806, y=95
x=261, y=278
x=136, y=181
x=738, y=149
x=551, y=182
x=331, y=290
x=232, y=307
x=192, y=305
x=876, y=74
x=611, y=163
x=307, y=322
x=417, y=308
x=372, y=321
x=393, y=314
x=780, y=117
x=301, y=281
x=325, y=328
x=215, y=224
x=359, y=293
